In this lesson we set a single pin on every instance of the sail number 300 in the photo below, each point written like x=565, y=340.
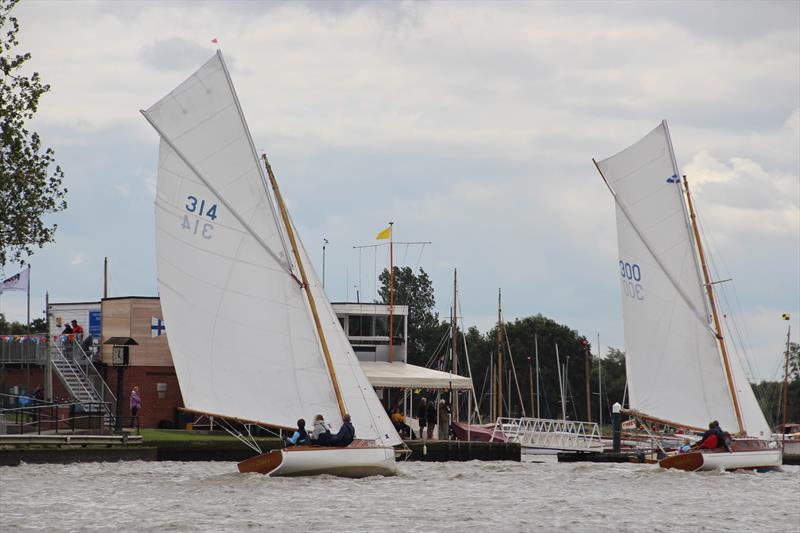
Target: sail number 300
x=198, y=208
x=631, y=277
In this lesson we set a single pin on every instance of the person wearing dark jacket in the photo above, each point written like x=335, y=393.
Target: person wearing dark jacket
x=346, y=434
x=713, y=438
x=422, y=415
x=431, y=416
x=300, y=436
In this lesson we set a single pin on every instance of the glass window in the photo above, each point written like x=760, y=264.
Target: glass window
x=341, y=321
x=381, y=326
x=354, y=326
x=367, y=326
x=398, y=325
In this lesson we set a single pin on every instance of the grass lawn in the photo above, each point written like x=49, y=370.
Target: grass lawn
x=177, y=436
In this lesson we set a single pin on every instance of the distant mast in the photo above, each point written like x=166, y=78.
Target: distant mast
x=785, y=386
x=391, y=291
x=499, y=364
x=454, y=344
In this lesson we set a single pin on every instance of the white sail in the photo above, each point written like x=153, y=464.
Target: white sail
x=369, y=416
x=241, y=335
x=674, y=366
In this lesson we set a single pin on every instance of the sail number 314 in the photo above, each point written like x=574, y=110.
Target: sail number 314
x=631, y=280
x=200, y=209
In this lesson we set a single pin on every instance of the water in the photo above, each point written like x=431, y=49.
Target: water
x=500, y=496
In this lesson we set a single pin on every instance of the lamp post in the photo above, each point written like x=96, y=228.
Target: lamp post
x=324, y=245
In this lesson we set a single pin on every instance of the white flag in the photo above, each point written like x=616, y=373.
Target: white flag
x=17, y=282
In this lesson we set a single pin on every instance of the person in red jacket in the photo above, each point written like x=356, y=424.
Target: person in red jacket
x=77, y=330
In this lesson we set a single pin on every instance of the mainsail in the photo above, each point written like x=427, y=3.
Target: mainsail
x=241, y=334
x=673, y=361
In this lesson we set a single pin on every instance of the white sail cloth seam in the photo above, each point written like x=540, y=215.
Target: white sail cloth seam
x=216, y=193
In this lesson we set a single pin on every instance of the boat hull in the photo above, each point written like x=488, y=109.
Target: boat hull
x=754, y=456
x=313, y=460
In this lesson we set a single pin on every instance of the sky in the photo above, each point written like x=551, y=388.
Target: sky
x=471, y=125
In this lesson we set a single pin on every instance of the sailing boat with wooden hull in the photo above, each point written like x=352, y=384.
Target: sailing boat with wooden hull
x=678, y=367
x=252, y=335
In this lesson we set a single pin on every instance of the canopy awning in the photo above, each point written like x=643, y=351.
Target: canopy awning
x=403, y=375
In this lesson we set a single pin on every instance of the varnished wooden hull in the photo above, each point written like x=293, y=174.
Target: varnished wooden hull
x=312, y=460
x=752, y=455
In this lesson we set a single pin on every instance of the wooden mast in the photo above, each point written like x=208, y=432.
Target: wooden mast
x=714, y=313
x=391, y=293
x=454, y=344
x=312, y=304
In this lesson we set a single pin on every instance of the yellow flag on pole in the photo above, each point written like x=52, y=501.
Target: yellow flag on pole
x=385, y=234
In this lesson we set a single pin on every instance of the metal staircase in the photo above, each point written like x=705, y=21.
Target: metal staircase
x=79, y=376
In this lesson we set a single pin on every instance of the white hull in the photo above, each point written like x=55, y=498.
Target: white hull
x=710, y=461
x=312, y=461
x=736, y=460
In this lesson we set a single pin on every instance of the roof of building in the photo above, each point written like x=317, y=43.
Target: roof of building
x=403, y=375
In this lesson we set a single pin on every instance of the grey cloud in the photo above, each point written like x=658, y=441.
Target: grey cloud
x=174, y=53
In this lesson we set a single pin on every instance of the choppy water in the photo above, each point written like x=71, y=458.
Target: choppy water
x=500, y=496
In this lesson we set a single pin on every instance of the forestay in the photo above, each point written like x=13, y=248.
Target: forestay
x=241, y=333
x=674, y=366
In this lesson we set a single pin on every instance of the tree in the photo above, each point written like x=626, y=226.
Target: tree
x=29, y=187
x=614, y=378
x=415, y=291
x=794, y=361
x=11, y=328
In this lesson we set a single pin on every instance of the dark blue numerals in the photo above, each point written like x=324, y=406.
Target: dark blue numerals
x=198, y=208
x=631, y=275
x=194, y=205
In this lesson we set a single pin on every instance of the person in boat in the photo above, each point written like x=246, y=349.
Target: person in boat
x=300, y=436
x=345, y=436
x=320, y=430
x=713, y=438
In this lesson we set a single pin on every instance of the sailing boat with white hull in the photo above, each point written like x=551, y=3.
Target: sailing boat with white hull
x=678, y=367
x=252, y=335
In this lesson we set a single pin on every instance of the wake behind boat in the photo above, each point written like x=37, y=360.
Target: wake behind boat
x=252, y=334
x=679, y=371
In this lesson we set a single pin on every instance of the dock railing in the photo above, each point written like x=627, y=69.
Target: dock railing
x=53, y=418
x=548, y=434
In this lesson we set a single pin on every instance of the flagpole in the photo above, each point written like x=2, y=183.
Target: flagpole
x=391, y=291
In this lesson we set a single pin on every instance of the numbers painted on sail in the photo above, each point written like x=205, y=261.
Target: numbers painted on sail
x=630, y=271
x=631, y=275
x=198, y=207
x=195, y=224
x=197, y=227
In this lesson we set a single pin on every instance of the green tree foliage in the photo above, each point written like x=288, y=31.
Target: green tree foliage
x=794, y=361
x=522, y=336
x=30, y=188
x=614, y=378
x=415, y=291
x=770, y=393
x=38, y=325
